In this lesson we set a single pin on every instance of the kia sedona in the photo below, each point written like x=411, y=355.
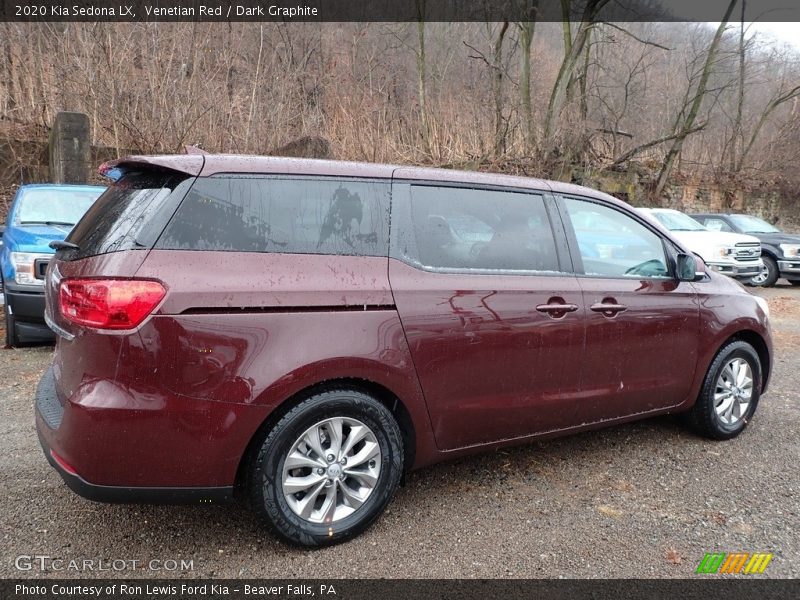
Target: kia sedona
x=305, y=332
x=39, y=215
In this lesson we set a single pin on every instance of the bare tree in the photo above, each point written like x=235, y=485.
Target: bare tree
x=421, y=78
x=526, y=30
x=573, y=48
x=685, y=123
x=500, y=127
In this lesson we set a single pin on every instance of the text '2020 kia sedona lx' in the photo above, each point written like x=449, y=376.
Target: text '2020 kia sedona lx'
x=307, y=331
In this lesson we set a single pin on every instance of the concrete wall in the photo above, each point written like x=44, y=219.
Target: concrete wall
x=70, y=148
x=633, y=187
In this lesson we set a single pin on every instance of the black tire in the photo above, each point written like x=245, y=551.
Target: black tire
x=703, y=417
x=773, y=274
x=12, y=338
x=265, y=487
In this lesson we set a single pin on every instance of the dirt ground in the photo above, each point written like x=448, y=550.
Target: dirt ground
x=642, y=500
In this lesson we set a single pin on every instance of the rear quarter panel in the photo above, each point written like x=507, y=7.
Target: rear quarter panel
x=255, y=329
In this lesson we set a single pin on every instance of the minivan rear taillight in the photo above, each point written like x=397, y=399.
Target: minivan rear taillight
x=109, y=303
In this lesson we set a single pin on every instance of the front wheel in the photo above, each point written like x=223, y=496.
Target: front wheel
x=328, y=468
x=730, y=393
x=769, y=275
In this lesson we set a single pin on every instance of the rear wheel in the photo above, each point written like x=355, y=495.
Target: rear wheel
x=328, y=468
x=730, y=393
x=769, y=275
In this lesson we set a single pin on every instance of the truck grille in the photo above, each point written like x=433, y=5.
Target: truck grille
x=747, y=251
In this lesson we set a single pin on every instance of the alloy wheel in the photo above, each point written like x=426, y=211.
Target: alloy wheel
x=331, y=470
x=733, y=392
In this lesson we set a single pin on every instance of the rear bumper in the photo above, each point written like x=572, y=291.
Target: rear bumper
x=132, y=495
x=105, y=462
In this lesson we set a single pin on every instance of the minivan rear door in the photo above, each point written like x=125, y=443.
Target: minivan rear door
x=493, y=318
x=112, y=240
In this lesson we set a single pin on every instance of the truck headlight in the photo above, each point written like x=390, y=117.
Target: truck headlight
x=24, y=264
x=790, y=250
x=724, y=251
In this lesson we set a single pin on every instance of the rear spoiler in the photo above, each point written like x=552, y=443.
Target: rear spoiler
x=190, y=164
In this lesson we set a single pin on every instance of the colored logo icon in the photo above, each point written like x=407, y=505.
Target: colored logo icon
x=735, y=562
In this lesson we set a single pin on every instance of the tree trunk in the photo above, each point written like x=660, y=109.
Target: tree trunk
x=9, y=68
x=773, y=104
x=574, y=45
x=421, y=86
x=737, y=126
x=497, y=90
x=253, y=95
x=697, y=102
x=584, y=76
x=527, y=29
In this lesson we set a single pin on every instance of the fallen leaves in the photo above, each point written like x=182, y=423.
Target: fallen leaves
x=674, y=556
x=609, y=511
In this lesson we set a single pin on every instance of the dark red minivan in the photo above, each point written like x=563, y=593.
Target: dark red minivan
x=306, y=331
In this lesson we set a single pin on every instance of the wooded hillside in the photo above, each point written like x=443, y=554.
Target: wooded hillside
x=676, y=99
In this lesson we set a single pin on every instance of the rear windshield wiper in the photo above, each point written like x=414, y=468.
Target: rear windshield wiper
x=62, y=245
x=46, y=223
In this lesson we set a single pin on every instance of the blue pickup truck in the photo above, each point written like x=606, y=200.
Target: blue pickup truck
x=39, y=214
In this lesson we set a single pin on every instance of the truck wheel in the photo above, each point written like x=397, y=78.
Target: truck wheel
x=327, y=469
x=769, y=275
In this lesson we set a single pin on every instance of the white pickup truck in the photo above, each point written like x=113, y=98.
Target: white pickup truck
x=733, y=254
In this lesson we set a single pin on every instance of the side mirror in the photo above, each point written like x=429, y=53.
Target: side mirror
x=689, y=267
x=686, y=267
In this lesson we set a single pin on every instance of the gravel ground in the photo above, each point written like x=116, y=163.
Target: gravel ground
x=641, y=500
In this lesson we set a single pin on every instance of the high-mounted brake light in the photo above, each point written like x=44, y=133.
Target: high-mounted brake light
x=109, y=303
x=112, y=173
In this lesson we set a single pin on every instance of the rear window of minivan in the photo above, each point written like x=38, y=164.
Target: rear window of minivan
x=129, y=215
x=279, y=214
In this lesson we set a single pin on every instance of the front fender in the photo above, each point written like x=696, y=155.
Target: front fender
x=727, y=311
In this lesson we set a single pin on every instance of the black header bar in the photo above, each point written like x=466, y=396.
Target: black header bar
x=700, y=588
x=390, y=10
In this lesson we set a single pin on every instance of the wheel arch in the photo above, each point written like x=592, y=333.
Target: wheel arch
x=378, y=391
x=767, y=251
x=759, y=344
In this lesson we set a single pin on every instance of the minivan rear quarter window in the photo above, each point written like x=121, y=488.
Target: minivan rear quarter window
x=286, y=215
x=128, y=215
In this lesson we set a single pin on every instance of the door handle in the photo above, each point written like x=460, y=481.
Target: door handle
x=557, y=310
x=608, y=309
